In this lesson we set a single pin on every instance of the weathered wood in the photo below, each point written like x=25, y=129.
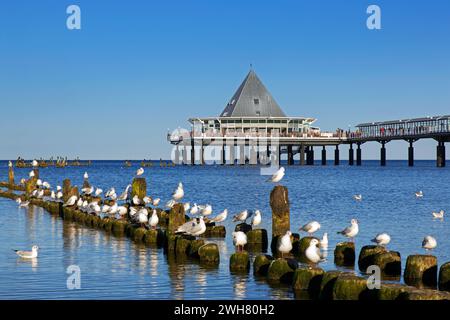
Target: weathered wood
x=176, y=217
x=139, y=188
x=279, y=202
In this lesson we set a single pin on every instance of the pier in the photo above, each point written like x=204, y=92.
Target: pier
x=253, y=129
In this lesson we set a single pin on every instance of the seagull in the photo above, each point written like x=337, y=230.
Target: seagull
x=71, y=201
x=285, y=244
x=324, y=241
x=156, y=201
x=58, y=188
x=34, y=163
x=221, y=216
x=193, y=228
x=136, y=200
x=24, y=204
x=438, y=215
x=110, y=192
x=142, y=216
x=18, y=200
x=154, y=220
x=31, y=174
x=241, y=216
x=22, y=181
x=105, y=208
x=194, y=209
x=310, y=227
x=79, y=202
x=312, y=253
x=86, y=176
x=46, y=185
x=351, y=231
x=256, y=220
x=140, y=172
x=40, y=194
x=429, y=243
x=28, y=254
x=124, y=195
x=419, y=194
x=277, y=176
x=179, y=192
x=98, y=192
x=170, y=203
x=113, y=209
x=207, y=210
x=10, y=164
x=382, y=239
x=133, y=212
x=186, y=206
x=39, y=182
x=59, y=195
x=239, y=240
x=88, y=191
x=357, y=197
x=52, y=195
x=147, y=200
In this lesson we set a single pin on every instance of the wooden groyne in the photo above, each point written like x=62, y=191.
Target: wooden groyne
x=421, y=276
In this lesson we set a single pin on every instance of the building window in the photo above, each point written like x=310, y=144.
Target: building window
x=258, y=113
x=256, y=101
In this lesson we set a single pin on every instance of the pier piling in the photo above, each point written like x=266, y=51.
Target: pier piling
x=440, y=150
x=383, y=154
x=411, y=154
x=344, y=254
x=358, y=154
x=350, y=155
x=324, y=156
x=421, y=270
x=139, y=188
x=336, y=156
x=444, y=277
x=11, y=176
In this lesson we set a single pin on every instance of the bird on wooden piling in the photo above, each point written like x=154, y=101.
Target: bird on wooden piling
x=186, y=206
x=79, y=202
x=206, y=210
x=351, y=231
x=58, y=188
x=310, y=227
x=142, y=216
x=23, y=181
x=31, y=174
x=154, y=220
x=136, y=201
x=71, y=201
x=113, y=209
x=34, y=163
x=124, y=195
x=53, y=195
x=110, y=192
x=438, y=215
x=357, y=197
x=324, y=241
x=277, y=176
x=46, y=185
x=170, y=203
x=419, y=194
x=312, y=253
x=178, y=193
x=88, y=191
x=98, y=192
x=39, y=182
x=429, y=243
x=194, y=227
x=28, y=254
x=86, y=176
x=220, y=217
x=382, y=239
x=40, y=194
x=59, y=195
x=140, y=172
x=256, y=220
x=241, y=216
x=155, y=202
x=239, y=240
x=10, y=164
x=285, y=243
x=194, y=209
x=147, y=200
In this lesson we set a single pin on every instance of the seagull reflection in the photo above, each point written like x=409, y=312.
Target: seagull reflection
x=240, y=287
x=32, y=262
x=154, y=263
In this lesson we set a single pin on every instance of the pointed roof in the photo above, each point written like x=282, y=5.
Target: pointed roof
x=252, y=100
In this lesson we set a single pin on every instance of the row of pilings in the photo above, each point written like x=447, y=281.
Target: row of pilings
x=420, y=271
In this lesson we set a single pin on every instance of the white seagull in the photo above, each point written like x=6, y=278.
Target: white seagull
x=419, y=194
x=357, y=197
x=382, y=239
x=285, y=243
x=28, y=254
x=86, y=176
x=239, y=240
x=277, y=176
x=155, y=202
x=438, y=215
x=71, y=201
x=124, y=195
x=142, y=216
x=194, y=227
x=31, y=174
x=140, y=172
x=207, y=210
x=10, y=164
x=194, y=209
x=351, y=231
x=429, y=243
x=312, y=253
x=310, y=227
x=136, y=200
x=221, y=216
x=178, y=193
x=256, y=220
x=154, y=220
x=241, y=216
x=34, y=163
x=98, y=192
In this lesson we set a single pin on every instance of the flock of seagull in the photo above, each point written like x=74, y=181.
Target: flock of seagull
x=137, y=211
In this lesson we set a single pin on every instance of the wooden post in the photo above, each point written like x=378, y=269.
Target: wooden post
x=176, y=217
x=68, y=190
x=11, y=176
x=30, y=185
x=279, y=202
x=139, y=188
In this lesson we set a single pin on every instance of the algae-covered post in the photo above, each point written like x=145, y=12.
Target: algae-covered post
x=279, y=202
x=421, y=270
x=176, y=217
x=139, y=188
x=11, y=176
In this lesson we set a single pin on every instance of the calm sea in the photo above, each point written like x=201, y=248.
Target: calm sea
x=116, y=268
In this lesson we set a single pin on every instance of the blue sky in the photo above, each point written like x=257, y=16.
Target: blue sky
x=136, y=68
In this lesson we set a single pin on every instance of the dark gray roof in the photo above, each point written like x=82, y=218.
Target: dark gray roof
x=252, y=100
